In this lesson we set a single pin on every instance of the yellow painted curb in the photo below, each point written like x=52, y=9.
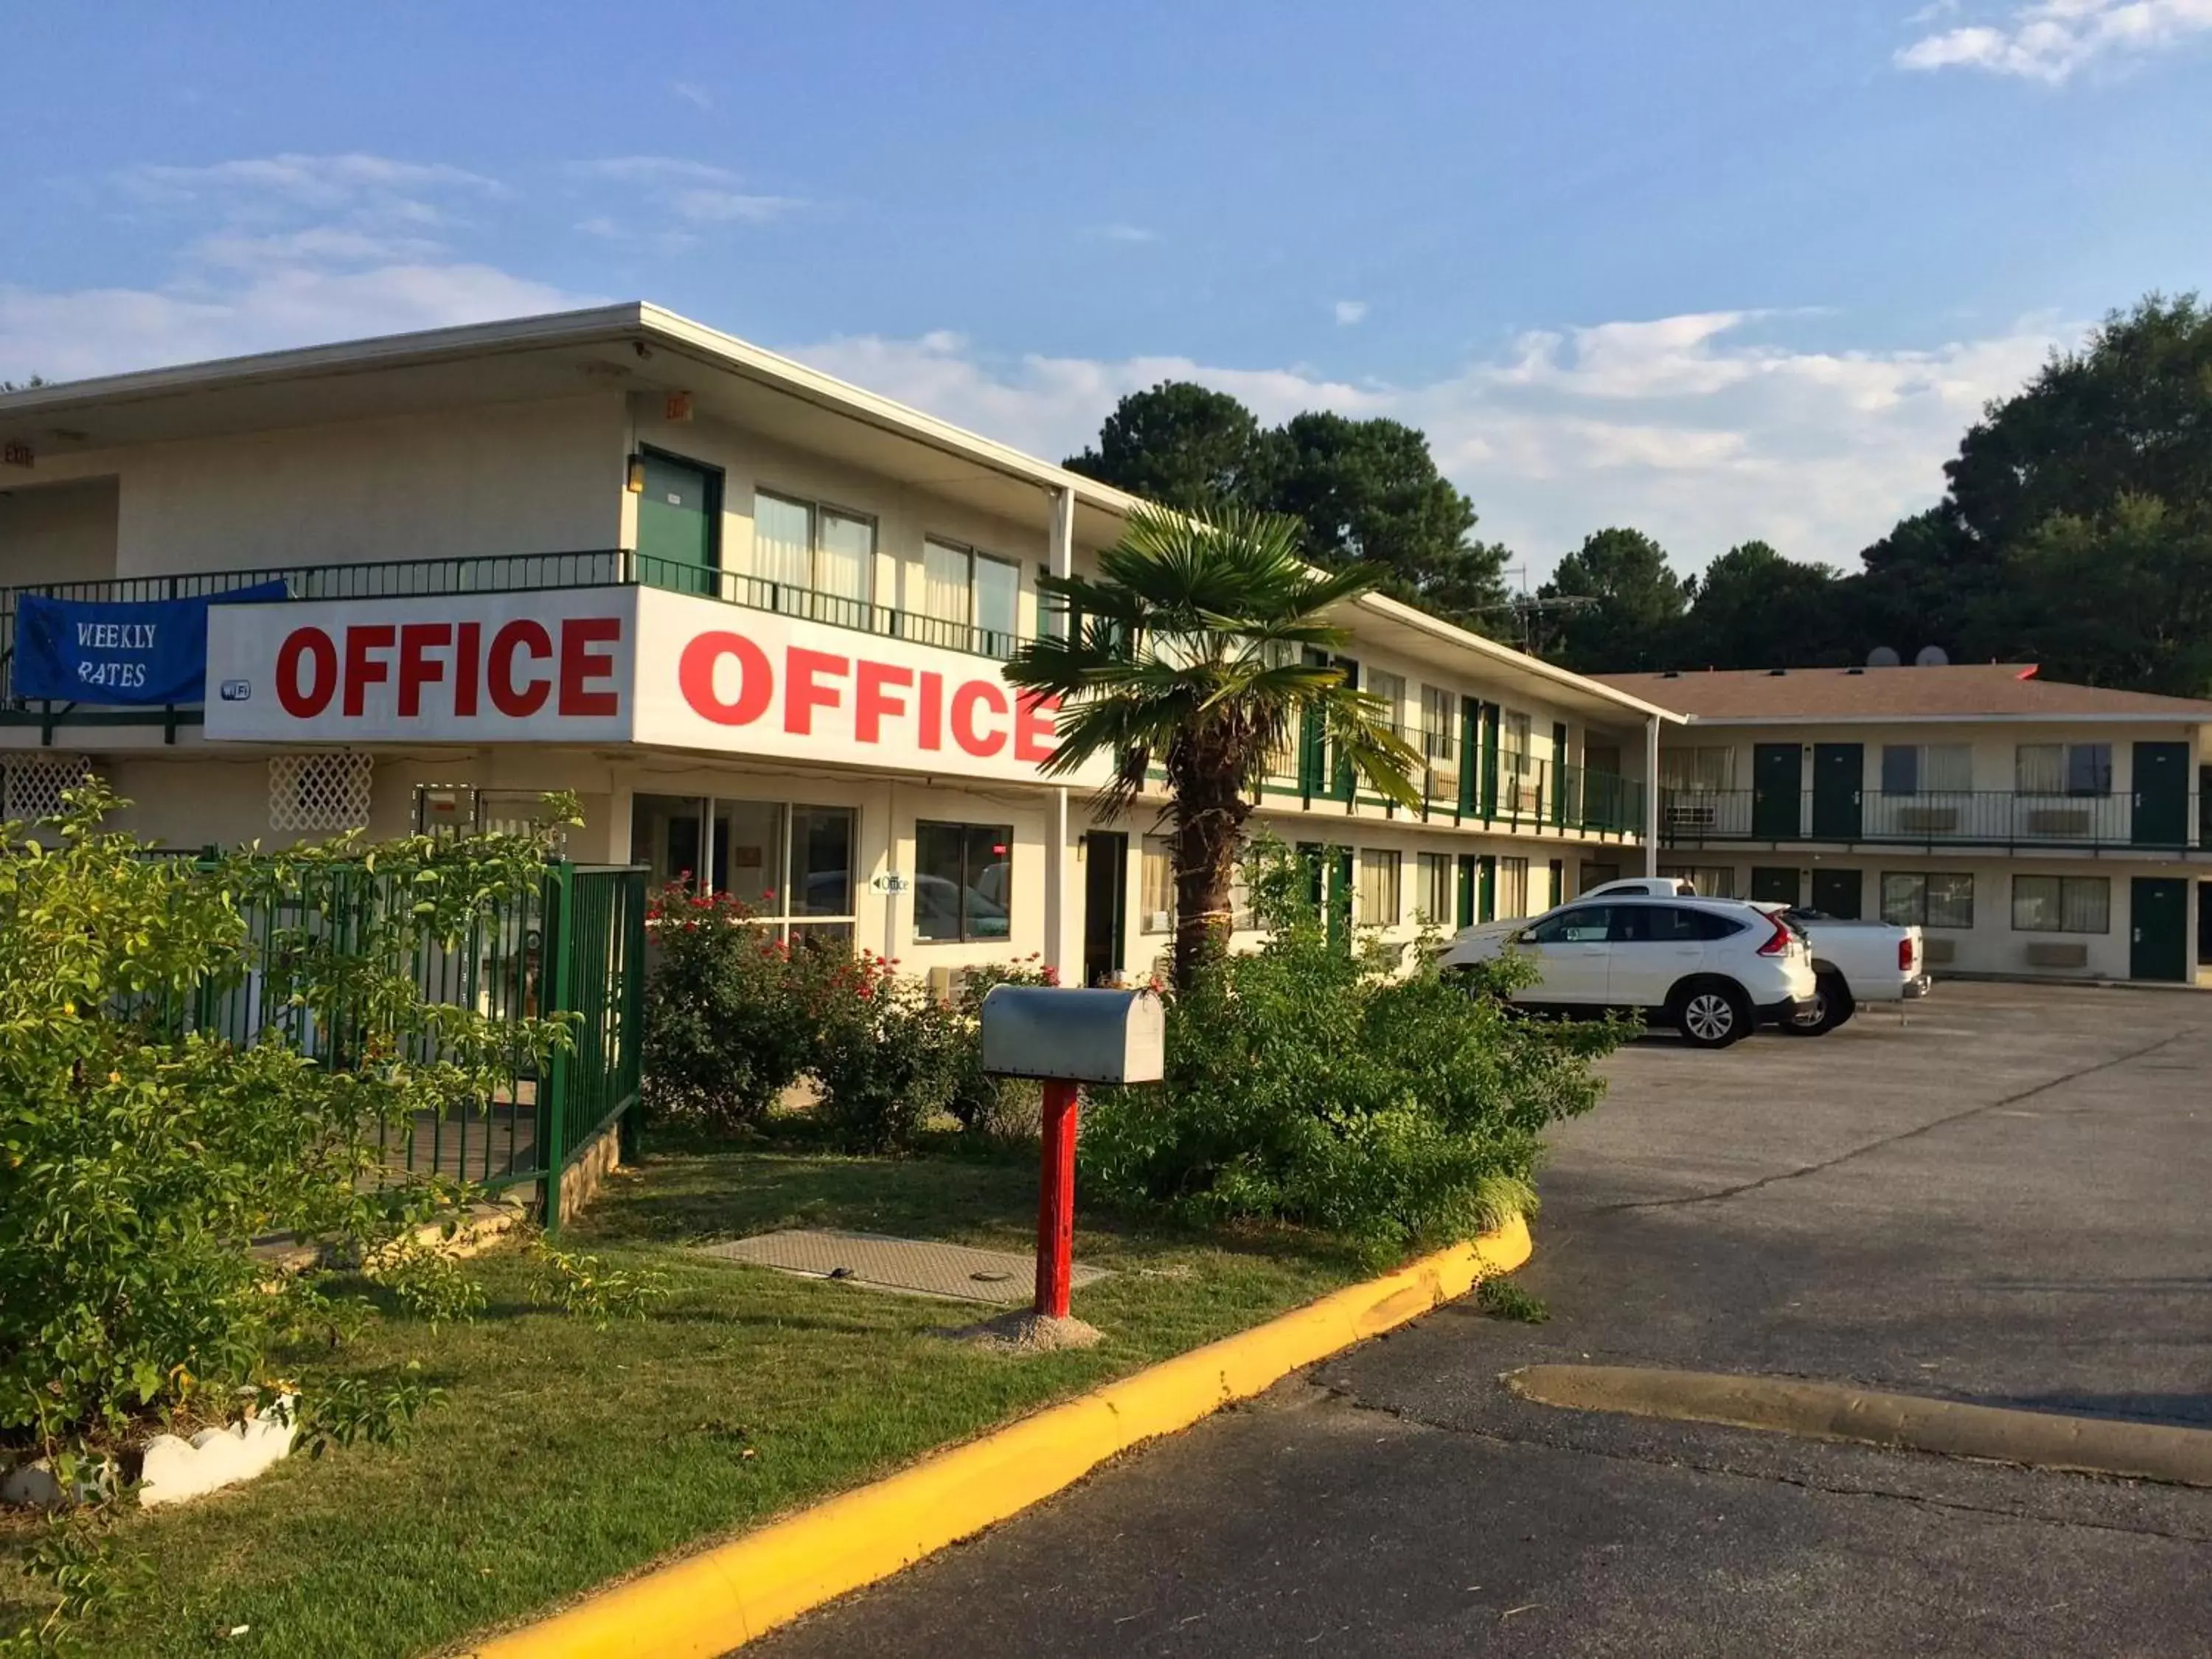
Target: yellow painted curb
x=711, y=1603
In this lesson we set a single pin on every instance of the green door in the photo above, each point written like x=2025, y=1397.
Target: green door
x=2158, y=920
x=1840, y=893
x=1313, y=743
x=1776, y=780
x=2162, y=795
x=1486, y=887
x=1838, y=774
x=1465, y=908
x=1772, y=885
x=678, y=524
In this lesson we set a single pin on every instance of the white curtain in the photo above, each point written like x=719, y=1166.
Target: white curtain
x=783, y=541
x=1947, y=768
x=944, y=582
x=2040, y=768
x=845, y=563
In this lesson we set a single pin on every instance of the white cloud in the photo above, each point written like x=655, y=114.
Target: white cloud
x=1124, y=233
x=1349, y=311
x=726, y=206
x=692, y=92
x=2051, y=40
x=676, y=188
x=652, y=169
x=1689, y=428
x=283, y=251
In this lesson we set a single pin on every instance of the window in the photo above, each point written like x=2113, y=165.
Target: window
x=2064, y=768
x=2061, y=904
x=1378, y=888
x=1928, y=899
x=1586, y=923
x=792, y=865
x=962, y=881
x=1390, y=691
x=801, y=544
x=1706, y=880
x=964, y=589
x=1156, y=902
x=1708, y=770
x=1433, y=891
x=1512, y=887
x=1668, y=924
x=1516, y=766
x=1927, y=769
x=1439, y=743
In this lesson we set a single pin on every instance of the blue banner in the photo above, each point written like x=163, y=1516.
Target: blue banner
x=141, y=653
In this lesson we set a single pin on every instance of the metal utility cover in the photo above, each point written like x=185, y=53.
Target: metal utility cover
x=917, y=1267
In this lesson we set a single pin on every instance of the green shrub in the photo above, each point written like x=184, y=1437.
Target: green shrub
x=143, y=1146
x=733, y=1017
x=889, y=1055
x=1002, y=1110
x=1312, y=1083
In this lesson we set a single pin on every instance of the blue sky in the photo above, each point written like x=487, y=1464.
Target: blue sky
x=1717, y=268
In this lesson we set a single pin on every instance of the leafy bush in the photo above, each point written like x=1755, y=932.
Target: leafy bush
x=586, y=1286
x=143, y=1146
x=1312, y=1083
x=1003, y=1110
x=890, y=1056
x=733, y=1016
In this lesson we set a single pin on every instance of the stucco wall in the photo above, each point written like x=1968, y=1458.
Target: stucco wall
x=57, y=532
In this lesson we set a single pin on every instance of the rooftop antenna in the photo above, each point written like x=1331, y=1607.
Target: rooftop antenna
x=1529, y=609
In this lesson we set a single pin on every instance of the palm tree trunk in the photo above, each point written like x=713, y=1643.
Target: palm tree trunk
x=1209, y=834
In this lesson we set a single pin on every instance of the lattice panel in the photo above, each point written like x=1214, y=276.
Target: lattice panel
x=328, y=791
x=35, y=782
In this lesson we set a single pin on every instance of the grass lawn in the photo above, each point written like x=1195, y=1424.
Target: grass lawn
x=564, y=1455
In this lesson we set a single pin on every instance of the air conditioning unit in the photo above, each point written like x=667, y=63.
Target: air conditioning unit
x=1156, y=921
x=1692, y=815
x=1444, y=783
x=2055, y=953
x=1928, y=820
x=1939, y=952
x=2068, y=821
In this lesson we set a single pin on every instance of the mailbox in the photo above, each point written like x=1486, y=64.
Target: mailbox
x=1074, y=1036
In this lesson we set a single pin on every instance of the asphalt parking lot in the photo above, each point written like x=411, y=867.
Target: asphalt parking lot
x=1999, y=1198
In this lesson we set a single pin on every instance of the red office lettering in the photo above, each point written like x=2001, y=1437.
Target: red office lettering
x=932, y=711
x=416, y=667
x=579, y=664
x=981, y=745
x=1035, y=727
x=694, y=674
x=468, y=664
x=870, y=702
x=323, y=658
x=801, y=695
x=518, y=699
x=361, y=670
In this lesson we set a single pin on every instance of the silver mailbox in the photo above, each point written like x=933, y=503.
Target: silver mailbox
x=1079, y=1037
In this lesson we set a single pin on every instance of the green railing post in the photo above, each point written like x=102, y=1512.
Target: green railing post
x=555, y=985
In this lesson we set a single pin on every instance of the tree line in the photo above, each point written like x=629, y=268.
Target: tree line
x=2075, y=530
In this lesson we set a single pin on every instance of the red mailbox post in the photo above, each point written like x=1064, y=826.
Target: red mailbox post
x=1066, y=1038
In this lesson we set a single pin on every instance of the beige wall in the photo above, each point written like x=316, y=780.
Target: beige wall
x=1994, y=745
x=57, y=532
x=529, y=477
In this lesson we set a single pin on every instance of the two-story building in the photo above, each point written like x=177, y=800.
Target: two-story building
x=754, y=616
x=2030, y=826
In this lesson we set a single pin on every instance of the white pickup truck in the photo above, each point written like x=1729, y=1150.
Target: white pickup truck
x=1853, y=962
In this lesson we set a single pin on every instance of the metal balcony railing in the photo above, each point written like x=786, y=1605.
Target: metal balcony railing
x=1958, y=817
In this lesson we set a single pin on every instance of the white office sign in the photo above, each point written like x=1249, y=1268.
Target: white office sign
x=616, y=665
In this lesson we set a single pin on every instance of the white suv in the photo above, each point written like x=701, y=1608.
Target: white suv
x=1713, y=969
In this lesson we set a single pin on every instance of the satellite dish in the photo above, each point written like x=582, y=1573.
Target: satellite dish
x=1883, y=657
x=1932, y=656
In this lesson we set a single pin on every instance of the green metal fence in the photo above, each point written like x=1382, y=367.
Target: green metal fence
x=573, y=944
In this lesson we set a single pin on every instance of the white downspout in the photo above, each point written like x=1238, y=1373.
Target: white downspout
x=1651, y=795
x=1060, y=557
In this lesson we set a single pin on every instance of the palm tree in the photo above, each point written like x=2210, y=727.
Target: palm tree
x=1191, y=649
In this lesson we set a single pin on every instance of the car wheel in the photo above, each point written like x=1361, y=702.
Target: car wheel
x=1831, y=1007
x=1712, y=1014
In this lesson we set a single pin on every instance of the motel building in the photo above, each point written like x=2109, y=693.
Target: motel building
x=2030, y=827
x=752, y=616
